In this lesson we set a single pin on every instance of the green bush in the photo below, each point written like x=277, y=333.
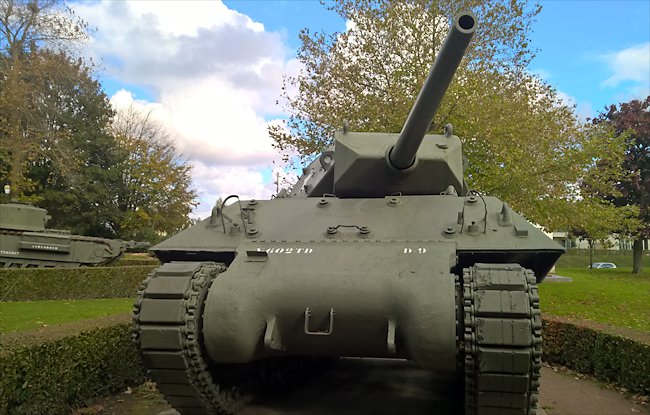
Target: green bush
x=611, y=358
x=70, y=283
x=56, y=376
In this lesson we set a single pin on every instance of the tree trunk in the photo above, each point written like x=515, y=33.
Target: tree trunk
x=16, y=177
x=591, y=254
x=637, y=255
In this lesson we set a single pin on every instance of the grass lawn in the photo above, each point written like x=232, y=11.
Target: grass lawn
x=610, y=296
x=27, y=315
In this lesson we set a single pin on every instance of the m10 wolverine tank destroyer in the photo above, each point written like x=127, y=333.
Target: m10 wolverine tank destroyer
x=380, y=250
x=26, y=243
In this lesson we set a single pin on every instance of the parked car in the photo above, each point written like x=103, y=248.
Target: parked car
x=602, y=265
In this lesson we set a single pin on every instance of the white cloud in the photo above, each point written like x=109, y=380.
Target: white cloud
x=215, y=74
x=124, y=99
x=583, y=109
x=185, y=18
x=568, y=100
x=218, y=124
x=215, y=182
x=158, y=43
x=630, y=65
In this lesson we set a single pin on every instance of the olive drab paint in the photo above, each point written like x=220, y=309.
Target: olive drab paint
x=380, y=250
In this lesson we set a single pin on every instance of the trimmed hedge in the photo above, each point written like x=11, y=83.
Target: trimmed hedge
x=71, y=283
x=56, y=376
x=131, y=262
x=611, y=358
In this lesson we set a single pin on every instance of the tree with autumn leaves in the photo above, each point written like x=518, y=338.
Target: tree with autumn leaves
x=156, y=194
x=631, y=120
x=59, y=143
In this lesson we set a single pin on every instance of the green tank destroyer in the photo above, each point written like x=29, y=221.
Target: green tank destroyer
x=26, y=243
x=380, y=250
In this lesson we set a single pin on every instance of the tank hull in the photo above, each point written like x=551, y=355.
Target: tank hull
x=448, y=282
x=20, y=249
x=26, y=243
x=481, y=229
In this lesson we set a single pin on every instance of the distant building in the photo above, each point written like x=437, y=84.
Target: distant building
x=613, y=242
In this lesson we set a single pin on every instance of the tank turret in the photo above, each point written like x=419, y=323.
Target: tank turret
x=411, y=162
x=23, y=217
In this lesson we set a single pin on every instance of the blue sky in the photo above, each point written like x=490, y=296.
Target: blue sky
x=578, y=42
x=575, y=40
x=211, y=72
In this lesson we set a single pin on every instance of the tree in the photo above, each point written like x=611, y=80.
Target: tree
x=632, y=121
x=60, y=145
x=523, y=143
x=55, y=148
x=155, y=195
x=76, y=176
x=371, y=73
x=26, y=28
x=26, y=25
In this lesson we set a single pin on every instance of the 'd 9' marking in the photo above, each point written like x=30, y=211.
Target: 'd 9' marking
x=420, y=250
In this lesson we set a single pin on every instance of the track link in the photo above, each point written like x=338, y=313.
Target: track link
x=502, y=340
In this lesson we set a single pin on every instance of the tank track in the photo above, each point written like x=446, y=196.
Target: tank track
x=27, y=263
x=167, y=329
x=502, y=340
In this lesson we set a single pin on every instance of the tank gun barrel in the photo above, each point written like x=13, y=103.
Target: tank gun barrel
x=402, y=155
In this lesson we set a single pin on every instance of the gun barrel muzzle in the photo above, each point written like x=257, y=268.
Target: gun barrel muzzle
x=402, y=155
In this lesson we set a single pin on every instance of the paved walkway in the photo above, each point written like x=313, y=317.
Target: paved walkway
x=563, y=393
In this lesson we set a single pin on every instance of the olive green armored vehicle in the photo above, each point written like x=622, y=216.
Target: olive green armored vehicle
x=136, y=246
x=380, y=250
x=26, y=243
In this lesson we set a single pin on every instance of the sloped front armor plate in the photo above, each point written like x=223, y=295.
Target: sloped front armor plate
x=366, y=283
